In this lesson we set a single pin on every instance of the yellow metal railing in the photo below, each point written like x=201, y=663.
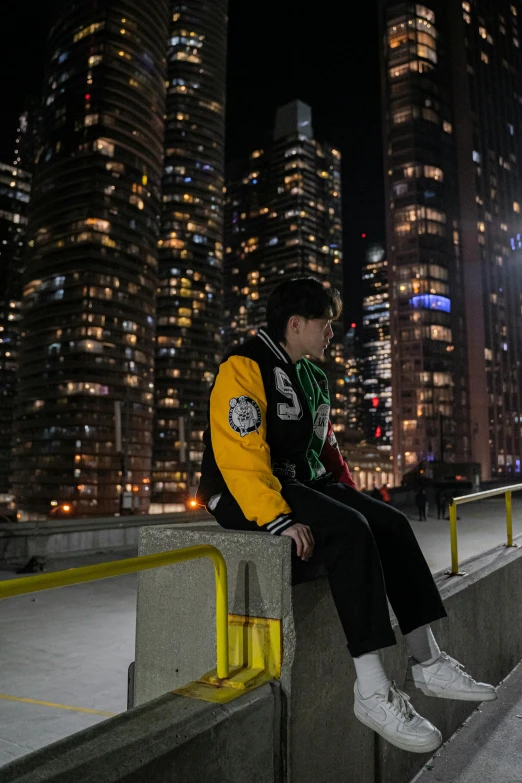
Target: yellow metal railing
x=74, y=576
x=507, y=491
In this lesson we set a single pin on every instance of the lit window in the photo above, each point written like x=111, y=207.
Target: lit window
x=92, y=28
x=431, y=302
x=516, y=207
x=191, y=58
x=98, y=225
x=427, y=53
x=441, y=333
x=104, y=146
x=134, y=199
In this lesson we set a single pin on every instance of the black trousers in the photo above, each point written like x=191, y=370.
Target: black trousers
x=370, y=554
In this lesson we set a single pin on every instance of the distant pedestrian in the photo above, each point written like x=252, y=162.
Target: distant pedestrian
x=421, y=499
x=441, y=502
x=385, y=495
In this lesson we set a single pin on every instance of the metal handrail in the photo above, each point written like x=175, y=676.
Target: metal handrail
x=507, y=491
x=74, y=576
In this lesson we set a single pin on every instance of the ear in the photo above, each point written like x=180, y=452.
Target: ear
x=294, y=324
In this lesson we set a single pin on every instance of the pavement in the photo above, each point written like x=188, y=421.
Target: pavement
x=488, y=747
x=481, y=527
x=64, y=653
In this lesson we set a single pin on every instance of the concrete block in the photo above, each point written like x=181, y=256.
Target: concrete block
x=175, y=642
x=169, y=740
x=322, y=740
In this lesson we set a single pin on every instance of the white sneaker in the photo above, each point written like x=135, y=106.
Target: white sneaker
x=447, y=679
x=392, y=716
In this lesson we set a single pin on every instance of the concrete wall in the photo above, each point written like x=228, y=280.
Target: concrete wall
x=323, y=742
x=304, y=732
x=169, y=740
x=65, y=537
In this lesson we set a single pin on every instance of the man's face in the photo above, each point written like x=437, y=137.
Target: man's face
x=315, y=334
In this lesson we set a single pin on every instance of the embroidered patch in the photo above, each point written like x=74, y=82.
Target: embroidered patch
x=321, y=421
x=244, y=415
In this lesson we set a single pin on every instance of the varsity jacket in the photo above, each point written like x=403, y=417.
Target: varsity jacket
x=268, y=423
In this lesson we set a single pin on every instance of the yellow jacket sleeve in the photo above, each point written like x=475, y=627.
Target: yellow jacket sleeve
x=238, y=431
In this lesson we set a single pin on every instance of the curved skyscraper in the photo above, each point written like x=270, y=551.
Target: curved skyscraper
x=189, y=305
x=84, y=421
x=453, y=157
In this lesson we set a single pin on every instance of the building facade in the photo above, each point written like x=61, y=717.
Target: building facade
x=84, y=414
x=190, y=291
x=15, y=189
x=453, y=113
x=283, y=219
x=427, y=309
x=353, y=387
x=376, y=350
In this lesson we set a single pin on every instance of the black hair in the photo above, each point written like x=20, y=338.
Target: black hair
x=304, y=296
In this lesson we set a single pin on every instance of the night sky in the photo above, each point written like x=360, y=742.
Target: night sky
x=277, y=52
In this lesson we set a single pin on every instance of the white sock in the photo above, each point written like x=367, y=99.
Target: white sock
x=423, y=645
x=371, y=677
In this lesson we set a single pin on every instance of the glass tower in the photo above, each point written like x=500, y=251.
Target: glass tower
x=427, y=308
x=15, y=187
x=189, y=302
x=283, y=219
x=84, y=418
x=376, y=361
x=454, y=163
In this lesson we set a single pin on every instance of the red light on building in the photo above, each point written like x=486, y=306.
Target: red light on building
x=353, y=326
x=88, y=97
x=378, y=432
x=375, y=402
x=363, y=236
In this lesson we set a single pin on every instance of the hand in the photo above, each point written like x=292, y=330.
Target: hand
x=303, y=538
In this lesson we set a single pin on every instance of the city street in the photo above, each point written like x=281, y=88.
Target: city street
x=64, y=653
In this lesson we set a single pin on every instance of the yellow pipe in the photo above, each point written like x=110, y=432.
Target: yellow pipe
x=453, y=535
x=74, y=576
x=490, y=493
x=509, y=518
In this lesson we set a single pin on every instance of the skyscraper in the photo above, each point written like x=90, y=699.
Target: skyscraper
x=353, y=387
x=89, y=297
x=189, y=303
x=15, y=187
x=283, y=218
x=376, y=359
x=453, y=109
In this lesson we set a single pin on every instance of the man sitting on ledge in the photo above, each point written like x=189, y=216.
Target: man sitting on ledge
x=272, y=464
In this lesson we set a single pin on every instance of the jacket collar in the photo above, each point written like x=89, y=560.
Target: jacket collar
x=274, y=346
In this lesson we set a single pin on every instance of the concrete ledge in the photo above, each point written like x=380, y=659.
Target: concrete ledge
x=65, y=537
x=169, y=740
x=323, y=741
